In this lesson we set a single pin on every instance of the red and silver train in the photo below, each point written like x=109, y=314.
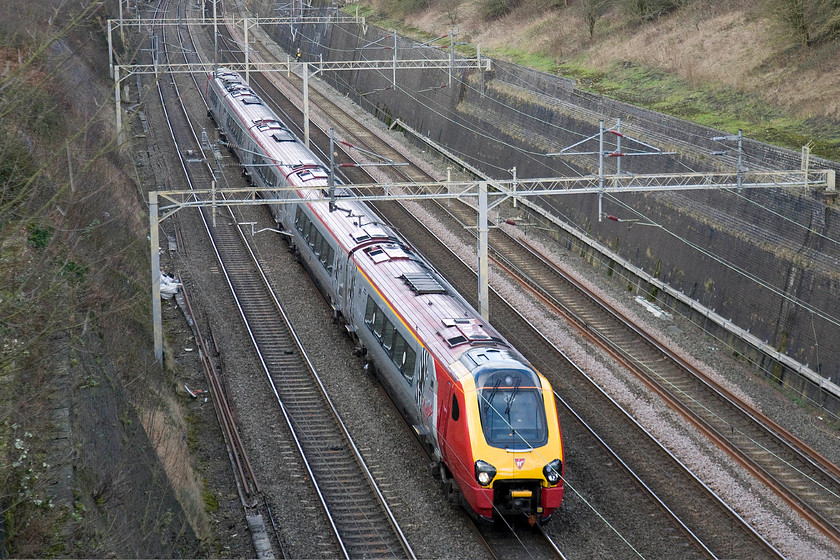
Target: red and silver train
x=487, y=416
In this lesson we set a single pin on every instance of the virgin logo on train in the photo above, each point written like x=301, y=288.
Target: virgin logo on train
x=519, y=462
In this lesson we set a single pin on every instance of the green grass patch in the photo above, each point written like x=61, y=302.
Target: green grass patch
x=716, y=107
x=192, y=432
x=211, y=503
x=39, y=237
x=538, y=61
x=390, y=20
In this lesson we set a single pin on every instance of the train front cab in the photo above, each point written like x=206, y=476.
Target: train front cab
x=514, y=466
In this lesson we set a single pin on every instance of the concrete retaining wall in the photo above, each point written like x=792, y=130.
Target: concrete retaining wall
x=764, y=259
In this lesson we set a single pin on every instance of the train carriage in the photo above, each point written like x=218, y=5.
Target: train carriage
x=487, y=417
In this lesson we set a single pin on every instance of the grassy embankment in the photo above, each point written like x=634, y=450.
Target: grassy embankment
x=726, y=67
x=90, y=435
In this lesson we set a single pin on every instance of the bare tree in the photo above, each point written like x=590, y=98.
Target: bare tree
x=811, y=22
x=452, y=11
x=591, y=11
x=793, y=15
x=650, y=9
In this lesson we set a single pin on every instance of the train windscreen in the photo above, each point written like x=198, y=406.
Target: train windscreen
x=512, y=411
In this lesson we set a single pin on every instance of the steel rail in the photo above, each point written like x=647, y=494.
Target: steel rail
x=691, y=407
x=246, y=479
x=360, y=141
x=405, y=546
x=706, y=178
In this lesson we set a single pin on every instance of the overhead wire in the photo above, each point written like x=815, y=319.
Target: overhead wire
x=707, y=253
x=735, y=268
x=445, y=113
x=439, y=110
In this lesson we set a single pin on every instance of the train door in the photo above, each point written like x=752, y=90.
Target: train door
x=425, y=395
x=348, y=285
x=339, y=281
x=445, y=393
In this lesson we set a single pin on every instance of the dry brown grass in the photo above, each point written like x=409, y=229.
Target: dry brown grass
x=710, y=42
x=167, y=430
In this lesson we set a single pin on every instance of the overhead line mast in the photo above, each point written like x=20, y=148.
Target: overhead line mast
x=484, y=190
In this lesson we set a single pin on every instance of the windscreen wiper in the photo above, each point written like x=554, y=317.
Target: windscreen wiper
x=513, y=395
x=492, y=394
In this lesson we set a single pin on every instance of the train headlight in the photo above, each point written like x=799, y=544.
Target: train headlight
x=484, y=473
x=552, y=471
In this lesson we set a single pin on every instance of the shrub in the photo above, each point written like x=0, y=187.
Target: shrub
x=651, y=9
x=495, y=9
x=40, y=237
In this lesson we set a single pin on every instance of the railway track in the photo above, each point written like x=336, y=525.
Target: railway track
x=182, y=134
x=355, y=509
x=805, y=480
x=347, y=126
x=508, y=541
x=536, y=281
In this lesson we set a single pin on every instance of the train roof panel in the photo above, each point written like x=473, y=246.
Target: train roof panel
x=370, y=231
x=422, y=283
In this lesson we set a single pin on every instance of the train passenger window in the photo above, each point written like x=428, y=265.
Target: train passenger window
x=264, y=171
x=407, y=367
x=388, y=337
x=398, y=350
x=325, y=252
x=331, y=260
x=327, y=256
x=370, y=311
x=303, y=220
x=379, y=325
x=456, y=410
